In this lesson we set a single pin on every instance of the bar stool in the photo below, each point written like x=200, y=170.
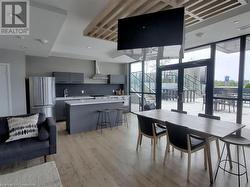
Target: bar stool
x=103, y=119
x=121, y=117
x=238, y=141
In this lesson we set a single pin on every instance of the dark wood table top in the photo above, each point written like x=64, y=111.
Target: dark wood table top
x=197, y=124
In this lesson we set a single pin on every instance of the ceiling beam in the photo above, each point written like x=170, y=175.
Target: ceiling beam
x=182, y=2
x=212, y=6
x=155, y=7
x=201, y=5
x=110, y=6
x=173, y=3
x=127, y=11
x=243, y=2
x=146, y=8
x=113, y=15
x=193, y=15
x=105, y=25
x=220, y=9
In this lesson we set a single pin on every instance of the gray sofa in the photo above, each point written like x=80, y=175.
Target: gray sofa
x=29, y=148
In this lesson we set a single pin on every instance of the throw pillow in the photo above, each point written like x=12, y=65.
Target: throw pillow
x=43, y=134
x=22, y=127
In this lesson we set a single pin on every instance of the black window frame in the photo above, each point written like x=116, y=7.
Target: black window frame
x=210, y=76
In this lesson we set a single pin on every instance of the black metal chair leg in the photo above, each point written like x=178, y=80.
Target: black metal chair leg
x=225, y=163
x=244, y=156
x=219, y=161
x=238, y=160
x=98, y=121
x=229, y=156
x=109, y=119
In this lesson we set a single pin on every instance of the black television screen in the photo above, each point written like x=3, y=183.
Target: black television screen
x=157, y=29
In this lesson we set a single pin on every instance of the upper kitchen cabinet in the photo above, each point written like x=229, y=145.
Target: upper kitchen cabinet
x=61, y=77
x=117, y=79
x=77, y=78
x=68, y=78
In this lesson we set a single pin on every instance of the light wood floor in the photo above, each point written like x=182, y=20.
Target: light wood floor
x=109, y=159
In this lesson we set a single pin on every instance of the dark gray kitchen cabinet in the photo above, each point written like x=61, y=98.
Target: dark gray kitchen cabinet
x=61, y=77
x=68, y=78
x=77, y=78
x=60, y=111
x=117, y=79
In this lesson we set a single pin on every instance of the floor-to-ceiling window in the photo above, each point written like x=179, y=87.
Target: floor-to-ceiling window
x=246, y=86
x=194, y=89
x=199, y=53
x=190, y=73
x=136, y=85
x=143, y=82
x=227, y=60
x=149, y=86
x=225, y=95
x=169, y=87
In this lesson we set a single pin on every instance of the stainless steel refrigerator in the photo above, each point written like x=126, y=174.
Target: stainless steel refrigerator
x=42, y=95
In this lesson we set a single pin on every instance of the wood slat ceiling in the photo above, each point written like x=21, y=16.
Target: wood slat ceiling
x=104, y=26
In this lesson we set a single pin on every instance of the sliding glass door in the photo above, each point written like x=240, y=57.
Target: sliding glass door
x=183, y=87
x=169, y=87
x=194, y=90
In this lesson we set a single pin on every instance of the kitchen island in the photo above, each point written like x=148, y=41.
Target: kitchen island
x=82, y=115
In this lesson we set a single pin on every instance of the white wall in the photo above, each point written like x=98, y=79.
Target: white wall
x=45, y=66
x=16, y=60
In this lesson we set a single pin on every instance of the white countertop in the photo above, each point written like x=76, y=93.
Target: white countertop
x=92, y=101
x=73, y=98
x=89, y=97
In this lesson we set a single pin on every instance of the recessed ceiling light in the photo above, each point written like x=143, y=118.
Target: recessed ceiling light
x=236, y=22
x=45, y=41
x=42, y=41
x=89, y=47
x=23, y=47
x=19, y=37
x=199, y=34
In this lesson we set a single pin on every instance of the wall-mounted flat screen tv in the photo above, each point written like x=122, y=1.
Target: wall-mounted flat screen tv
x=163, y=28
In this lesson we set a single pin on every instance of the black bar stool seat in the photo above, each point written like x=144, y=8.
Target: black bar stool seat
x=237, y=141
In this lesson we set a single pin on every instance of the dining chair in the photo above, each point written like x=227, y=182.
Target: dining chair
x=181, y=139
x=147, y=128
x=182, y=112
x=212, y=138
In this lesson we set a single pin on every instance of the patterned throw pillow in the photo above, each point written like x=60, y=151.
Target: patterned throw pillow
x=22, y=127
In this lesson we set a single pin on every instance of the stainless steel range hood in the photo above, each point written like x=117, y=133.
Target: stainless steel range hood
x=98, y=75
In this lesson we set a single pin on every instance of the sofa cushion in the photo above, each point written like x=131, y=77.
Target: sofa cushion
x=16, y=149
x=9, y=150
x=22, y=127
x=4, y=129
x=43, y=134
x=33, y=144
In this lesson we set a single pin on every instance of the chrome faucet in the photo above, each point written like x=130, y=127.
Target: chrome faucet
x=66, y=92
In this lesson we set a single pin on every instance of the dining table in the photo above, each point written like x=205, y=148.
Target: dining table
x=201, y=126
